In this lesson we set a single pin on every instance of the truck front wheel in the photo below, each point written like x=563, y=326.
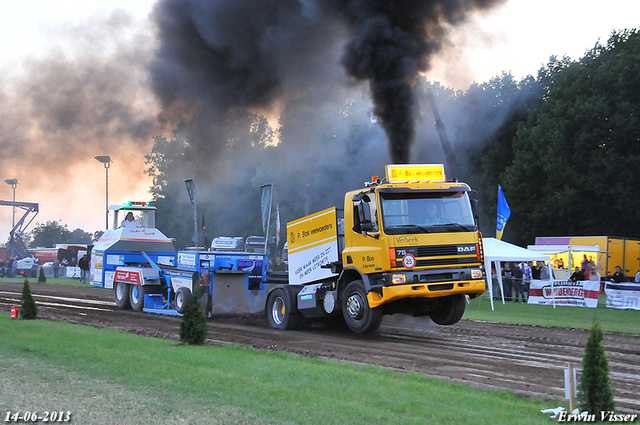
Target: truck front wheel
x=121, y=294
x=449, y=310
x=357, y=314
x=279, y=310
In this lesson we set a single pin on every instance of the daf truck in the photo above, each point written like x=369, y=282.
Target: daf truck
x=408, y=243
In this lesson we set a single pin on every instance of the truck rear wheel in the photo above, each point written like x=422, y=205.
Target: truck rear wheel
x=136, y=296
x=183, y=295
x=449, y=310
x=356, y=311
x=121, y=294
x=279, y=310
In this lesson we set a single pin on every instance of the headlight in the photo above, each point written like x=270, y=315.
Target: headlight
x=476, y=274
x=398, y=278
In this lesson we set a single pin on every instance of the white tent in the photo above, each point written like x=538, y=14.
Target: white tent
x=496, y=251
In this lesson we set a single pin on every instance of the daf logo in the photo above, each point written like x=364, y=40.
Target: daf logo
x=466, y=249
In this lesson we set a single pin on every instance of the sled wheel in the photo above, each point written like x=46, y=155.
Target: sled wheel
x=121, y=293
x=183, y=295
x=136, y=296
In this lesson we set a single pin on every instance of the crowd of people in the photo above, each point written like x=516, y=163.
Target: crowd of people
x=517, y=277
x=8, y=268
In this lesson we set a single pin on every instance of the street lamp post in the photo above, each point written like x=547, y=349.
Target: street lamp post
x=13, y=183
x=106, y=161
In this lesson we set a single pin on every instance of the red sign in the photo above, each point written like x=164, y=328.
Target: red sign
x=128, y=276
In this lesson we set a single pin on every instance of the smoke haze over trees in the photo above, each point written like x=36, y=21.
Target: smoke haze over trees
x=561, y=150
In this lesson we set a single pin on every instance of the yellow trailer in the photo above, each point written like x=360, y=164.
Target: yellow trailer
x=614, y=251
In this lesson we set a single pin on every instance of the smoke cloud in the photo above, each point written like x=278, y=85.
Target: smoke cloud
x=88, y=95
x=215, y=56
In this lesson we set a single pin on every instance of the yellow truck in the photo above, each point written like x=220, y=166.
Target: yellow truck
x=408, y=243
x=614, y=251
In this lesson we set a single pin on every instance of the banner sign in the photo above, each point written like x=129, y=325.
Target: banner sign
x=623, y=295
x=583, y=293
x=313, y=242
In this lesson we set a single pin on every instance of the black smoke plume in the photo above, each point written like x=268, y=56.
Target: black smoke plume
x=216, y=56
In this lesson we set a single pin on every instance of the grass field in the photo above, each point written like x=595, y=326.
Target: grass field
x=108, y=376
x=611, y=320
x=64, y=281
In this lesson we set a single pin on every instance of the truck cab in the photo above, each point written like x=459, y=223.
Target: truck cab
x=415, y=246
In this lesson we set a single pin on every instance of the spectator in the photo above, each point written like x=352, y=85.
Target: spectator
x=518, y=285
x=527, y=275
x=535, y=270
x=618, y=276
x=56, y=268
x=14, y=267
x=585, y=263
x=593, y=274
x=494, y=282
x=637, y=280
x=507, y=281
x=83, y=263
x=577, y=275
x=544, y=271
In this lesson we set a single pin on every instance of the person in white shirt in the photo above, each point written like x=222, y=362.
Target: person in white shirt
x=637, y=279
x=129, y=221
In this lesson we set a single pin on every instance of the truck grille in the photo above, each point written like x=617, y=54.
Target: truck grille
x=425, y=254
x=447, y=261
x=437, y=251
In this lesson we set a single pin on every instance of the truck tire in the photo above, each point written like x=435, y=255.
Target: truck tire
x=183, y=295
x=136, y=296
x=449, y=310
x=121, y=293
x=356, y=311
x=280, y=310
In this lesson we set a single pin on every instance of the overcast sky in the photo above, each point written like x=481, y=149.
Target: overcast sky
x=518, y=37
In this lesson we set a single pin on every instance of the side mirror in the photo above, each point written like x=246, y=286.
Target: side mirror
x=364, y=214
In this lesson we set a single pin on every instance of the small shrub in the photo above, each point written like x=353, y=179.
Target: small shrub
x=595, y=392
x=193, y=329
x=28, y=307
x=41, y=277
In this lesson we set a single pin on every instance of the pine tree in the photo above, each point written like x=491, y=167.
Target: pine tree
x=41, y=277
x=595, y=392
x=193, y=329
x=28, y=307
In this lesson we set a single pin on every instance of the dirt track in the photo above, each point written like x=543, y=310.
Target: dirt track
x=528, y=360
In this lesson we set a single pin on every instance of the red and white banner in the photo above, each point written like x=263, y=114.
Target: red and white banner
x=124, y=275
x=583, y=293
x=623, y=295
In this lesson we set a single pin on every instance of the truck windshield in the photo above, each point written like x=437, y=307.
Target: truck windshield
x=426, y=212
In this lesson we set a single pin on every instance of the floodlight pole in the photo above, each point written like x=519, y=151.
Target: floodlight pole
x=106, y=161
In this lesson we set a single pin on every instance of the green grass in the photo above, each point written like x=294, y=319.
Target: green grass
x=62, y=281
x=109, y=376
x=611, y=320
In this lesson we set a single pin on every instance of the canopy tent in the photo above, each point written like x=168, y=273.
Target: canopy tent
x=496, y=251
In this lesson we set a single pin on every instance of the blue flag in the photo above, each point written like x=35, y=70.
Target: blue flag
x=504, y=212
